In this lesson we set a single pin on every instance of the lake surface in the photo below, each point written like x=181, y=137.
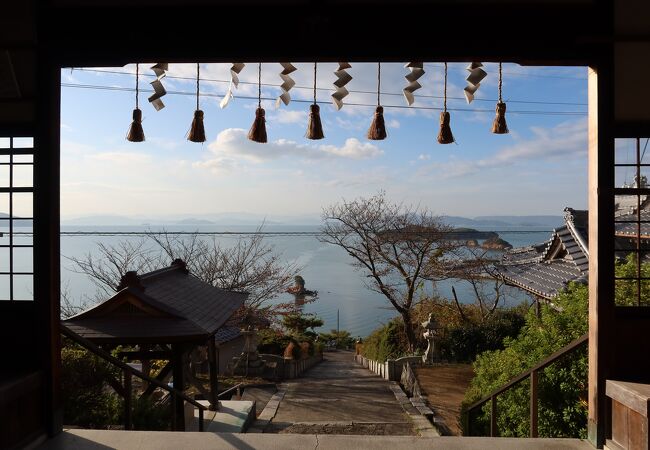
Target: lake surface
x=325, y=268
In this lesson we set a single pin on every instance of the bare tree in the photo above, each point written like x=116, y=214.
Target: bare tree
x=476, y=267
x=250, y=265
x=391, y=243
x=109, y=263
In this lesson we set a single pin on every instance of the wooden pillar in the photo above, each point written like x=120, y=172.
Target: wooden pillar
x=179, y=382
x=214, y=368
x=601, y=244
x=47, y=255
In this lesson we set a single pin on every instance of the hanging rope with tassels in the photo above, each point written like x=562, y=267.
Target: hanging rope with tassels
x=314, y=126
x=377, y=130
x=197, y=131
x=445, y=136
x=257, y=132
x=499, y=126
x=136, y=133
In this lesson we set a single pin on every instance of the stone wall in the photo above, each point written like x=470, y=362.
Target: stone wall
x=279, y=368
x=391, y=369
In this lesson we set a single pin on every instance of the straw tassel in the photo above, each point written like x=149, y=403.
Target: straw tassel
x=445, y=135
x=257, y=132
x=314, y=126
x=197, y=131
x=136, y=133
x=499, y=126
x=377, y=130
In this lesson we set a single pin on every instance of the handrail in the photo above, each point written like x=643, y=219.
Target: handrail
x=236, y=387
x=131, y=371
x=532, y=374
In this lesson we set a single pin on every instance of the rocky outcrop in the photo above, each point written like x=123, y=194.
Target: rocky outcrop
x=472, y=243
x=496, y=243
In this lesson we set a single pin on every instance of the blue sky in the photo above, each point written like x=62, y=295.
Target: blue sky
x=539, y=168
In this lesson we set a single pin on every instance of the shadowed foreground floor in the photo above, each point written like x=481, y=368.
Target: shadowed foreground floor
x=167, y=440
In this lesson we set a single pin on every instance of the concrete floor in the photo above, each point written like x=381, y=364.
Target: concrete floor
x=164, y=440
x=337, y=390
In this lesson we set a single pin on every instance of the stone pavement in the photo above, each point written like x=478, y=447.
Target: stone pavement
x=339, y=397
x=167, y=440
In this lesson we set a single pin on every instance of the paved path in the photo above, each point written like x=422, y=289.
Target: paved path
x=339, y=397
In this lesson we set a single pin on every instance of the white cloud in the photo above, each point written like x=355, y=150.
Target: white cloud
x=393, y=123
x=566, y=140
x=233, y=143
x=424, y=157
x=284, y=116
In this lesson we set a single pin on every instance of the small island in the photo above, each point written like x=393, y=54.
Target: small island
x=496, y=243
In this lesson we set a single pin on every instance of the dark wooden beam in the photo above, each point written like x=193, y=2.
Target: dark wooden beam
x=141, y=355
x=179, y=384
x=162, y=375
x=214, y=373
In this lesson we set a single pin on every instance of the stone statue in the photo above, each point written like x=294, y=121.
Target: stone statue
x=430, y=332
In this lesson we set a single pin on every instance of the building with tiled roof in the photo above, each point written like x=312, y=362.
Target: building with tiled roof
x=545, y=269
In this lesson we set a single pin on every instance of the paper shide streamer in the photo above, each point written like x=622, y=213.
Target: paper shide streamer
x=377, y=130
x=445, y=135
x=476, y=75
x=314, y=125
x=416, y=70
x=197, y=131
x=235, y=70
x=499, y=126
x=257, y=132
x=160, y=70
x=136, y=133
x=287, y=84
x=342, y=78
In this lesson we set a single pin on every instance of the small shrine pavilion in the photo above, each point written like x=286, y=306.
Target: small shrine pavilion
x=166, y=314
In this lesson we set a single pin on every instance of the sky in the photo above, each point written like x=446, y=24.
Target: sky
x=539, y=168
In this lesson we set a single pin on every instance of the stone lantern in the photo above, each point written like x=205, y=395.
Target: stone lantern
x=430, y=333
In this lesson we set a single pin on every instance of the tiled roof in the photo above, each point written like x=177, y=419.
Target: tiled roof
x=626, y=227
x=226, y=334
x=545, y=269
x=167, y=305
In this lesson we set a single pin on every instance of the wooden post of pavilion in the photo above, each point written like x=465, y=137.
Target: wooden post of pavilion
x=179, y=408
x=214, y=385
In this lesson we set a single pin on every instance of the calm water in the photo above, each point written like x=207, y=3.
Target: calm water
x=326, y=268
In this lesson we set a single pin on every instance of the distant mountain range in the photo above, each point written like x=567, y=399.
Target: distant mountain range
x=505, y=221
x=17, y=221
x=251, y=219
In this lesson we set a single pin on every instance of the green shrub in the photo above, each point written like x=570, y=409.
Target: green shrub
x=465, y=341
x=562, y=386
x=386, y=342
x=148, y=415
x=88, y=401
x=272, y=342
